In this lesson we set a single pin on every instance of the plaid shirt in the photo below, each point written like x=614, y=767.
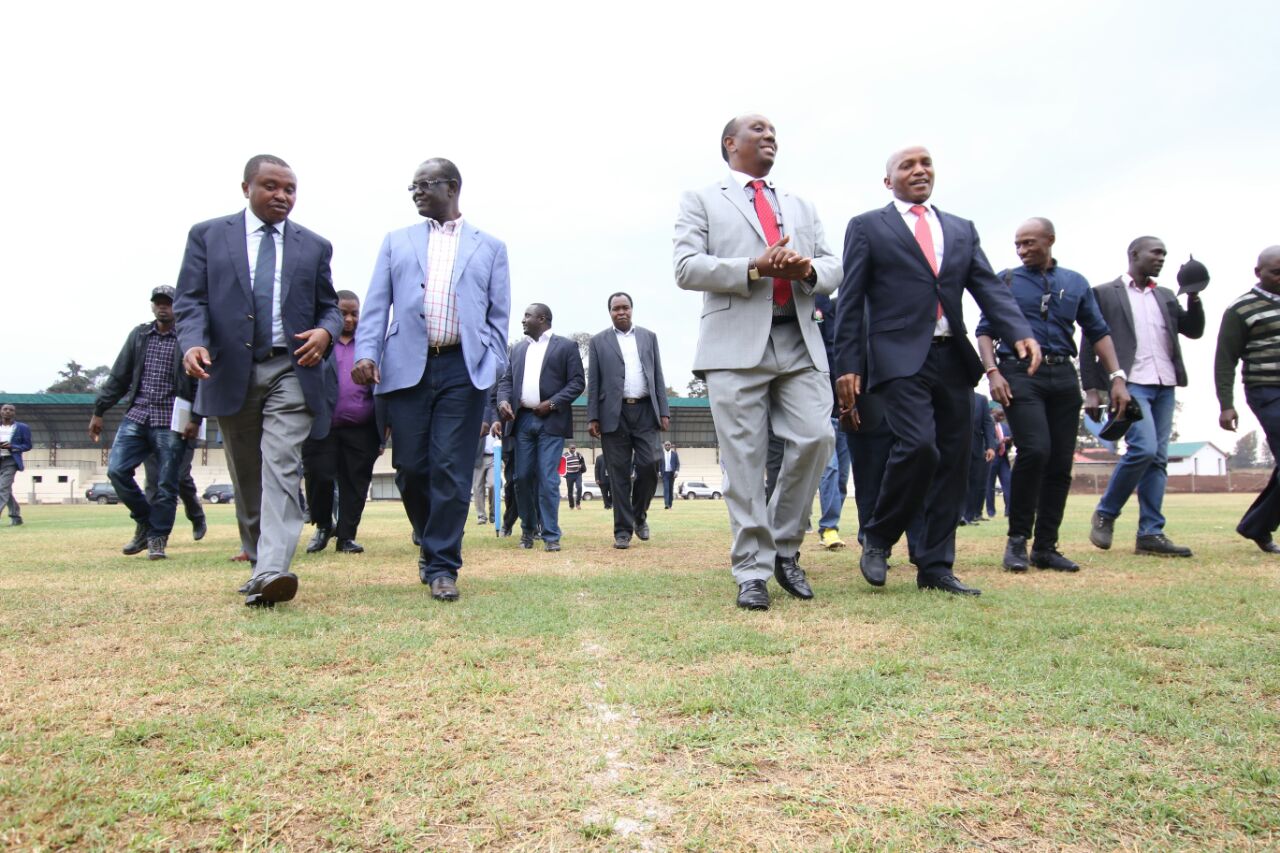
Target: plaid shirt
x=440, y=301
x=153, y=404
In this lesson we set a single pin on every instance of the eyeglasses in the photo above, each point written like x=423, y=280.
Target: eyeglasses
x=425, y=186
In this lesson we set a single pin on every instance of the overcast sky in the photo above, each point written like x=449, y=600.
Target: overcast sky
x=576, y=127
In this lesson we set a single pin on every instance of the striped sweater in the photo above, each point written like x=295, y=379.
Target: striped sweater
x=1250, y=332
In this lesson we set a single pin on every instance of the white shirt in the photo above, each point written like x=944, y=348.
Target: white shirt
x=6, y=436
x=1152, y=359
x=531, y=387
x=634, y=384
x=935, y=229
x=253, y=238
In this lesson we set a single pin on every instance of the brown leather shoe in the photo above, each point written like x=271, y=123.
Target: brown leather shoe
x=444, y=589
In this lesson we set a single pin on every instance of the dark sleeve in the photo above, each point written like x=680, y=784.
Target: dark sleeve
x=1190, y=319
x=988, y=426
x=575, y=377
x=328, y=317
x=503, y=388
x=1091, y=378
x=1093, y=326
x=191, y=297
x=1231, y=335
x=119, y=379
x=380, y=419
x=593, y=386
x=20, y=441
x=850, y=334
x=660, y=381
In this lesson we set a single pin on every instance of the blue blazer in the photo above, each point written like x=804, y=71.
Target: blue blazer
x=214, y=309
x=562, y=380
x=890, y=291
x=393, y=325
x=19, y=443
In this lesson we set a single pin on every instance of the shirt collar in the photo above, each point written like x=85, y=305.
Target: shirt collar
x=743, y=179
x=1265, y=294
x=453, y=226
x=155, y=330
x=543, y=339
x=904, y=207
x=253, y=223
x=627, y=334
x=1128, y=282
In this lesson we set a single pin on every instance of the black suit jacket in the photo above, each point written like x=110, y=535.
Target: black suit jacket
x=889, y=297
x=1116, y=310
x=561, y=382
x=604, y=391
x=984, y=426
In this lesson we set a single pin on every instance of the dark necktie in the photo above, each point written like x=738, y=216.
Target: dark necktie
x=769, y=222
x=264, y=285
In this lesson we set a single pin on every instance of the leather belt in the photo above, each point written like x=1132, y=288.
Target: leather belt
x=436, y=350
x=784, y=319
x=276, y=352
x=631, y=401
x=940, y=340
x=1047, y=358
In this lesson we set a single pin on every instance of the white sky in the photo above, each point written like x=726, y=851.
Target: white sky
x=576, y=127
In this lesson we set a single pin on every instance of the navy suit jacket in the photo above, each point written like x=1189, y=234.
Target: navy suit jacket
x=19, y=443
x=889, y=297
x=604, y=395
x=214, y=309
x=984, y=426
x=562, y=380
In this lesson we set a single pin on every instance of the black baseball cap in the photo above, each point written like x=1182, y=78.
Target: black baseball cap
x=1119, y=424
x=164, y=291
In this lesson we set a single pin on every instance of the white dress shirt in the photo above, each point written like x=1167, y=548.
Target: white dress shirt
x=6, y=436
x=253, y=240
x=634, y=384
x=935, y=229
x=1152, y=356
x=531, y=386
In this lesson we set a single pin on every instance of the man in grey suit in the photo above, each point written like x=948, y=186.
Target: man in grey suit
x=626, y=407
x=758, y=255
x=257, y=313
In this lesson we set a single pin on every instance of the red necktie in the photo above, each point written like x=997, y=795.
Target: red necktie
x=769, y=222
x=924, y=236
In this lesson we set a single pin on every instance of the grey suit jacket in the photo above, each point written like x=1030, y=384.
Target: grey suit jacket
x=717, y=235
x=604, y=385
x=1113, y=301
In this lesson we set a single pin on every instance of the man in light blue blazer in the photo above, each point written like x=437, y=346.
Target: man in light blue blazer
x=432, y=338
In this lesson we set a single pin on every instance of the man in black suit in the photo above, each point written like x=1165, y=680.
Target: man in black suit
x=1145, y=321
x=982, y=449
x=669, y=465
x=602, y=481
x=536, y=392
x=901, y=336
x=626, y=407
x=256, y=315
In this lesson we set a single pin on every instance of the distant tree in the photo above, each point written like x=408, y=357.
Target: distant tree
x=697, y=387
x=1177, y=410
x=76, y=380
x=1265, y=459
x=583, y=340
x=1245, y=451
x=671, y=392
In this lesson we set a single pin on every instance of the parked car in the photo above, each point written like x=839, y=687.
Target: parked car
x=590, y=491
x=698, y=489
x=220, y=493
x=102, y=493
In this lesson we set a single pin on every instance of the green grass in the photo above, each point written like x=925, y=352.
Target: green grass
x=605, y=700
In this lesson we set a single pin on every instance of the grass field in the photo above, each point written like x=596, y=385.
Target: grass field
x=604, y=700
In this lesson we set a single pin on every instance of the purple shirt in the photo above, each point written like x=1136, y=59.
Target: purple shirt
x=355, y=402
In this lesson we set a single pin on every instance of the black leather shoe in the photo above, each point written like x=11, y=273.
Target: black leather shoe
x=244, y=587
x=1100, y=530
x=1159, y=545
x=155, y=547
x=320, y=541
x=444, y=589
x=789, y=575
x=1051, y=558
x=526, y=541
x=1015, y=554
x=622, y=542
x=269, y=588
x=948, y=583
x=349, y=546
x=874, y=564
x=199, y=527
x=551, y=544
x=138, y=543
x=1267, y=546
x=643, y=531
x=753, y=595
x=15, y=521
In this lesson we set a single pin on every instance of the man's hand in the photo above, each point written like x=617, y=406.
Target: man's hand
x=316, y=345
x=496, y=429
x=1029, y=348
x=542, y=409
x=780, y=262
x=194, y=362
x=504, y=411
x=848, y=387
x=1228, y=420
x=665, y=423
x=593, y=429
x=999, y=387
x=191, y=431
x=1093, y=404
x=95, y=428
x=989, y=454
x=365, y=372
x=1119, y=396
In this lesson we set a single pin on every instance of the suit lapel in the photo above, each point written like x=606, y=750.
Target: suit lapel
x=468, y=241
x=737, y=196
x=238, y=248
x=893, y=221
x=292, y=248
x=418, y=238
x=951, y=237
x=1126, y=310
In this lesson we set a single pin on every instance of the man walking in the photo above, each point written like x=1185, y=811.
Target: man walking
x=602, y=480
x=148, y=376
x=256, y=315
x=626, y=409
x=1145, y=321
x=15, y=439
x=670, y=463
x=982, y=449
x=574, y=465
x=999, y=469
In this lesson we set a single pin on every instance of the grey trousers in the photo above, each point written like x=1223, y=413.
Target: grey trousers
x=263, y=442
x=786, y=390
x=482, y=486
x=8, y=470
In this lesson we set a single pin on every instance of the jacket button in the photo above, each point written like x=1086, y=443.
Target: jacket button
x=249, y=345
x=423, y=285
x=250, y=316
x=423, y=316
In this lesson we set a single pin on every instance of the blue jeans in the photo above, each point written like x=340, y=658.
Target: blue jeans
x=834, y=486
x=1144, y=464
x=538, y=476
x=134, y=443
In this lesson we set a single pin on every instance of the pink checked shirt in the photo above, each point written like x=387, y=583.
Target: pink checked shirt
x=1153, y=358
x=440, y=302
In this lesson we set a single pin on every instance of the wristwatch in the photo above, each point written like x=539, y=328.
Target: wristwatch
x=552, y=405
x=1117, y=374
x=753, y=274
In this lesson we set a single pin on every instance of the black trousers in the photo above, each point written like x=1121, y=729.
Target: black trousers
x=573, y=485
x=1263, y=516
x=869, y=450
x=345, y=458
x=632, y=446
x=930, y=414
x=187, y=492
x=1044, y=416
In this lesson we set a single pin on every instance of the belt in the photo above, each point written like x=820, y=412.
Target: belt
x=631, y=401
x=438, y=350
x=784, y=319
x=940, y=340
x=1047, y=358
x=274, y=353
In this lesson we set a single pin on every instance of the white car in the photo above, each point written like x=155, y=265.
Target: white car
x=698, y=489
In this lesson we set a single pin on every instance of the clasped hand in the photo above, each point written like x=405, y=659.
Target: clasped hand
x=780, y=262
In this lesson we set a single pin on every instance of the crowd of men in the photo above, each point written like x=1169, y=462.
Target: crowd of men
x=805, y=385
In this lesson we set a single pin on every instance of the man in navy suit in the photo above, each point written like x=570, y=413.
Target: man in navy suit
x=256, y=314
x=901, y=336
x=982, y=449
x=537, y=392
x=15, y=439
x=432, y=338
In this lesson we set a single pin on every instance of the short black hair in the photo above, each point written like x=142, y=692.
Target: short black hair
x=449, y=170
x=730, y=129
x=347, y=294
x=256, y=161
x=613, y=296
x=1139, y=242
x=542, y=309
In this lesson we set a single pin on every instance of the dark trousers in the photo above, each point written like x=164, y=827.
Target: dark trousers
x=573, y=485
x=668, y=487
x=434, y=426
x=868, y=454
x=930, y=414
x=510, y=509
x=1044, y=416
x=1263, y=516
x=187, y=492
x=345, y=457
x=632, y=446
x=998, y=471
x=606, y=492
x=976, y=490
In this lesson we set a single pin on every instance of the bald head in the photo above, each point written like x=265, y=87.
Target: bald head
x=1268, y=269
x=1270, y=255
x=1034, y=243
x=909, y=174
